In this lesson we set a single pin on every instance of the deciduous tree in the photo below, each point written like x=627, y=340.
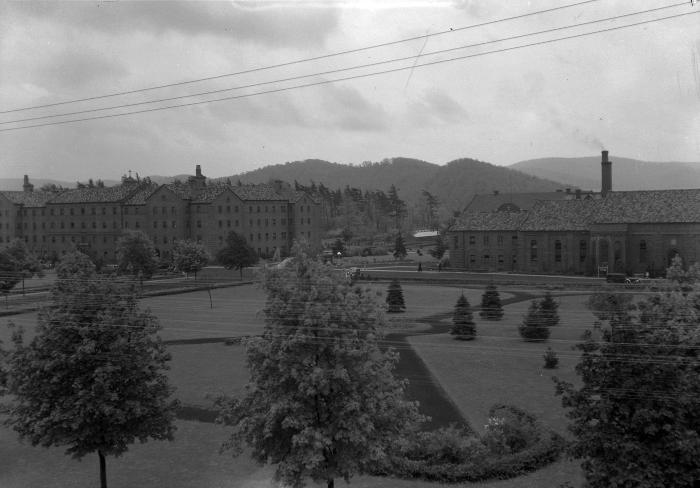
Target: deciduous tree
x=438, y=251
x=190, y=257
x=93, y=378
x=236, y=254
x=27, y=262
x=635, y=418
x=136, y=255
x=322, y=402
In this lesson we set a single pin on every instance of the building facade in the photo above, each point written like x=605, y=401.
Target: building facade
x=633, y=232
x=93, y=219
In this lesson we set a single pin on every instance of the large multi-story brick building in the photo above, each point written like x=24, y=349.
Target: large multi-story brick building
x=579, y=233
x=93, y=218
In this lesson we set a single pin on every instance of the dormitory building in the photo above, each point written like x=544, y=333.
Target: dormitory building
x=94, y=218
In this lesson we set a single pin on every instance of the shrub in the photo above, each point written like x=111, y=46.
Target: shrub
x=394, y=297
x=463, y=326
x=533, y=327
x=551, y=361
x=491, y=307
x=451, y=455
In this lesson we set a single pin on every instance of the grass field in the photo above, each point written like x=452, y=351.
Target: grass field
x=497, y=367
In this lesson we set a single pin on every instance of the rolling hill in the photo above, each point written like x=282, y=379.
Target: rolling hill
x=628, y=174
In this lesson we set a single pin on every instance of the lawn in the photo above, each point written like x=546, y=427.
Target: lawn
x=497, y=367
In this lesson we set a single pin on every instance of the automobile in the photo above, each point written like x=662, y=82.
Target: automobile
x=622, y=278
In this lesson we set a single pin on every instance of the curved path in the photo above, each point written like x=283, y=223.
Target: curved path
x=434, y=401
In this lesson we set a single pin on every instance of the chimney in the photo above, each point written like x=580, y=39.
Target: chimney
x=606, y=167
x=27, y=187
x=198, y=170
x=578, y=194
x=568, y=190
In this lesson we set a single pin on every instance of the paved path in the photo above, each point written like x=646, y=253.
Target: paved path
x=424, y=388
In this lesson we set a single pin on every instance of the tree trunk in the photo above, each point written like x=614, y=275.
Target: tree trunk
x=330, y=483
x=103, y=470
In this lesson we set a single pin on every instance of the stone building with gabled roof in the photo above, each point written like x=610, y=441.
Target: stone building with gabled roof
x=94, y=218
x=633, y=232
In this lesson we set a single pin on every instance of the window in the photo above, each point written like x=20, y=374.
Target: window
x=582, y=251
x=138, y=224
x=155, y=224
x=284, y=235
x=236, y=223
x=228, y=223
x=472, y=240
x=173, y=224
x=172, y=210
x=199, y=224
x=274, y=236
x=126, y=210
x=228, y=208
x=258, y=208
x=642, y=251
x=500, y=259
x=82, y=210
x=486, y=239
x=94, y=225
x=235, y=209
x=92, y=210
x=472, y=259
x=221, y=223
x=455, y=242
x=252, y=238
x=499, y=240
x=533, y=251
x=165, y=224
x=267, y=221
x=557, y=251
x=219, y=209
x=274, y=221
x=104, y=211
x=486, y=259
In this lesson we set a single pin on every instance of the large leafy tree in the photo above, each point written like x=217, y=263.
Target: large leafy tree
x=93, y=378
x=635, y=416
x=190, y=257
x=236, y=254
x=10, y=273
x=136, y=255
x=27, y=263
x=322, y=402
x=440, y=247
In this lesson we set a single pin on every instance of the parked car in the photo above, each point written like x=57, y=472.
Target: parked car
x=622, y=278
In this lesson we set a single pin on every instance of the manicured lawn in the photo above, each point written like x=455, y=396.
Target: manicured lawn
x=200, y=372
x=191, y=461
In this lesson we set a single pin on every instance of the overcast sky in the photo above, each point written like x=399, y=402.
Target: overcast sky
x=635, y=91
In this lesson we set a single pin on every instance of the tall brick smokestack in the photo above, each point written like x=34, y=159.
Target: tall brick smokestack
x=606, y=175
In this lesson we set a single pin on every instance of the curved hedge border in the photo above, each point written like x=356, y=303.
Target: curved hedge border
x=483, y=465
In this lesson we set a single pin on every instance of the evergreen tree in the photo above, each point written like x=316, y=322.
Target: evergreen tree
x=399, y=247
x=93, y=377
x=463, y=326
x=491, y=307
x=533, y=327
x=550, y=310
x=438, y=251
x=635, y=416
x=394, y=297
x=322, y=402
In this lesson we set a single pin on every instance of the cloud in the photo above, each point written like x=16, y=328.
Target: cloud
x=347, y=108
x=272, y=25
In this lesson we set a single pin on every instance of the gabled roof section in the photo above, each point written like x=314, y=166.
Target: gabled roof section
x=490, y=221
x=258, y=192
x=28, y=198
x=565, y=215
x=108, y=194
x=523, y=201
x=654, y=206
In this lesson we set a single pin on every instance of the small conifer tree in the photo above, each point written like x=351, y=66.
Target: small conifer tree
x=551, y=361
x=533, y=327
x=463, y=327
x=491, y=307
x=550, y=310
x=394, y=297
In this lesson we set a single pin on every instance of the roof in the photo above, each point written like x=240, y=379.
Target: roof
x=258, y=192
x=565, y=215
x=490, y=221
x=523, y=201
x=28, y=198
x=140, y=196
x=654, y=206
x=107, y=194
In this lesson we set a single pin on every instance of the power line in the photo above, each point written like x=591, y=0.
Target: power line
x=366, y=75
x=340, y=70
x=305, y=60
